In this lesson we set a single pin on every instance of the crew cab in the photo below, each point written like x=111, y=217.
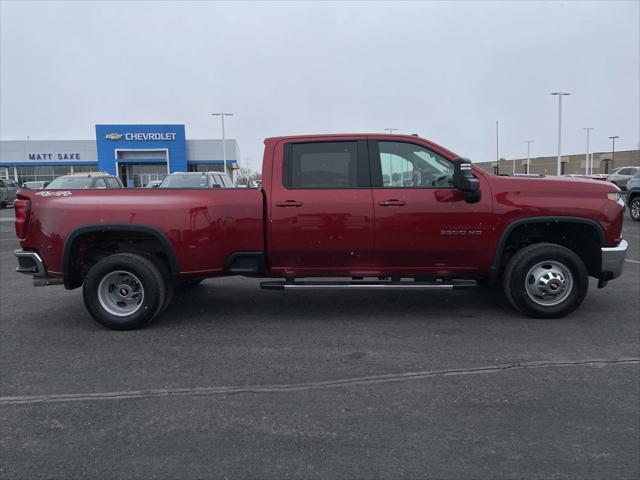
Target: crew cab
x=374, y=211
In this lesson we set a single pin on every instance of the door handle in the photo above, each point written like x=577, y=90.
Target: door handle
x=289, y=203
x=393, y=203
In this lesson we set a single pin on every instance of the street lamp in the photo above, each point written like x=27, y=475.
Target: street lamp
x=613, y=149
x=529, y=142
x=224, y=143
x=390, y=130
x=589, y=164
x=560, y=95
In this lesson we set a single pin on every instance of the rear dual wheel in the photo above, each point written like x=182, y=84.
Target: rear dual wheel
x=546, y=280
x=125, y=291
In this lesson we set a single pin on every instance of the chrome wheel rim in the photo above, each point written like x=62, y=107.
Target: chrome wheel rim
x=120, y=293
x=635, y=208
x=548, y=283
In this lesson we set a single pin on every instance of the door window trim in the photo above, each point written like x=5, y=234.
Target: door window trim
x=364, y=175
x=375, y=166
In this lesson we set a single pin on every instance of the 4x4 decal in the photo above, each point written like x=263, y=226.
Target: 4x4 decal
x=47, y=193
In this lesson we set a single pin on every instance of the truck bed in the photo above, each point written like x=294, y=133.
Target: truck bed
x=204, y=227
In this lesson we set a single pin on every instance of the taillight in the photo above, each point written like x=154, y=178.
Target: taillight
x=23, y=210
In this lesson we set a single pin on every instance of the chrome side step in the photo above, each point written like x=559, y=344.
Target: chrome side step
x=403, y=285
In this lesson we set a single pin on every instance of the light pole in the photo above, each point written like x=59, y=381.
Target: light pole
x=497, y=151
x=390, y=130
x=588, y=166
x=529, y=142
x=560, y=95
x=613, y=149
x=224, y=143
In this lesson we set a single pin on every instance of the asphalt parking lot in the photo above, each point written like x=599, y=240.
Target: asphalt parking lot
x=237, y=382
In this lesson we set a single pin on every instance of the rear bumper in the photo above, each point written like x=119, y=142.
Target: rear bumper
x=30, y=263
x=613, y=260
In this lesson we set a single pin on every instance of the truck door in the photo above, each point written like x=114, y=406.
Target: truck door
x=321, y=211
x=422, y=222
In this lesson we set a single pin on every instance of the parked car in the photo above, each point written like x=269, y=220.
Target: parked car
x=197, y=180
x=88, y=180
x=153, y=184
x=324, y=211
x=35, y=185
x=633, y=197
x=8, y=189
x=621, y=175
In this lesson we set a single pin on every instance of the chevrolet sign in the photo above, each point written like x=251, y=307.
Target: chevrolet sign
x=141, y=136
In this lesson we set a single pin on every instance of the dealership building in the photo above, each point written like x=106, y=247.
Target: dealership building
x=138, y=154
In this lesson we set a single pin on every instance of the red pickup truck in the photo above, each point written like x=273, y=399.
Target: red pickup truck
x=373, y=211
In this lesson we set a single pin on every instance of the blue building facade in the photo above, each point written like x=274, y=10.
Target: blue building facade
x=138, y=154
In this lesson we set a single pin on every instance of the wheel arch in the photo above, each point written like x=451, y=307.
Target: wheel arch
x=552, y=221
x=71, y=281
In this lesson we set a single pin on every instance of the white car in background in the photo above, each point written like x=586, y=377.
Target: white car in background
x=197, y=180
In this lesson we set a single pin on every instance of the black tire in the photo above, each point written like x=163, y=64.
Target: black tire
x=634, y=208
x=3, y=204
x=550, y=264
x=145, y=274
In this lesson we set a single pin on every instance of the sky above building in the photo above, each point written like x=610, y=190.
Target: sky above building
x=446, y=71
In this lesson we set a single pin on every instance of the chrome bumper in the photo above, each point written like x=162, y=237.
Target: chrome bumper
x=613, y=260
x=30, y=263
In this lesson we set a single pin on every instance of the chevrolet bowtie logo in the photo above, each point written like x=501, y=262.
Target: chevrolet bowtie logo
x=114, y=136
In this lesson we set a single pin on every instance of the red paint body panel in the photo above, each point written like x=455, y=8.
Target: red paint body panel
x=343, y=232
x=203, y=226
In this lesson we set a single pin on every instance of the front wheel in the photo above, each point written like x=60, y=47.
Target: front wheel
x=124, y=291
x=545, y=280
x=634, y=208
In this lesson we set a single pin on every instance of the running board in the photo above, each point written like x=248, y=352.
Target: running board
x=326, y=285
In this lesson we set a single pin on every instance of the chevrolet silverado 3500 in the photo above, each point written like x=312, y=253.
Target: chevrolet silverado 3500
x=374, y=211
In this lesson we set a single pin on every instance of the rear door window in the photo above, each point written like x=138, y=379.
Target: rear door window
x=323, y=165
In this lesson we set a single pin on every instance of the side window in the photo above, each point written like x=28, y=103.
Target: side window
x=407, y=165
x=321, y=165
x=216, y=180
x=112, y=182
x=100, y=183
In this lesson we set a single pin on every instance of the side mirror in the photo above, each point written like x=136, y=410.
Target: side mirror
x=464, y=180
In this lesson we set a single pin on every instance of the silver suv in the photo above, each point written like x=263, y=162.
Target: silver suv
x=621, y=175
x=8, y=189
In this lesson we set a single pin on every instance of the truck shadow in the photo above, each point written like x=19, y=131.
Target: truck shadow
x=242, y=300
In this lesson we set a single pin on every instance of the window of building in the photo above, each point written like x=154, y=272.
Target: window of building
x=321, y=165
x=42, y=173
x=206, y=167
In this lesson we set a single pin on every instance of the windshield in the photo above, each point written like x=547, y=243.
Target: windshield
x=185, y=181
x=71, y=182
